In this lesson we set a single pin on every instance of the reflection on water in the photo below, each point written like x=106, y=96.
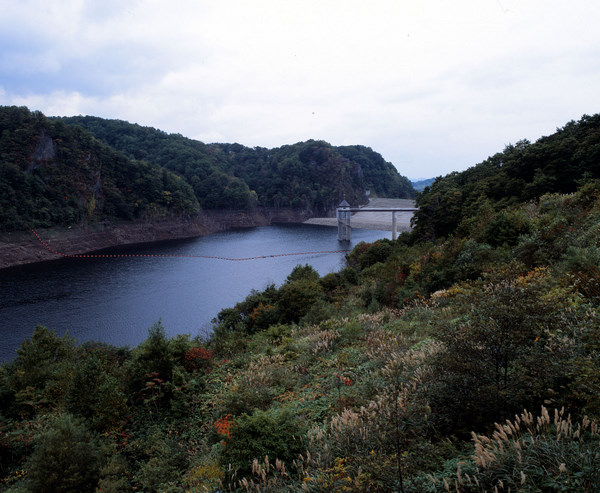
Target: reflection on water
x=115, y=300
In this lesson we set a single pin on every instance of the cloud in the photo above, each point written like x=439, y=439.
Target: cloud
x=434, y=86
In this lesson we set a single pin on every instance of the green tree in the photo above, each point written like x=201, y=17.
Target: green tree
x=95, y=394
x=297, y=297
x=40, y=374
x=66, y=458
x=506, y=347
x=151, y=369
x=305, y=271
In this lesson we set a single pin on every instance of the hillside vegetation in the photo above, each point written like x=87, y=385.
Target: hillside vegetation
x=52, y=173
x=467, y=361
x=312, y=174
x=561, y=163
x=67, y=171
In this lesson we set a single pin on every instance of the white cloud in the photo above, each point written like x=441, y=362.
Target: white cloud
x=433, y=85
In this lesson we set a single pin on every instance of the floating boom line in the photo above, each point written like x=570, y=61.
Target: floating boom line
x=174, y=255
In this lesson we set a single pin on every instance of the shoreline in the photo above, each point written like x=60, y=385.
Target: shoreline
x=361, y=224
x=23, y=247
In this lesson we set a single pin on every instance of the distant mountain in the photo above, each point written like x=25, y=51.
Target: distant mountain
x=420, y=185
x=313, y=175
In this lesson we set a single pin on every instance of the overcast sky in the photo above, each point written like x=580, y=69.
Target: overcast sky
x=433, y=85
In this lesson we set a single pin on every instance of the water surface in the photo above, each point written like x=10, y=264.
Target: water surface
x=116, y=300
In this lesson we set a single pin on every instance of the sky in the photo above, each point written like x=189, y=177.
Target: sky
x=434, y=86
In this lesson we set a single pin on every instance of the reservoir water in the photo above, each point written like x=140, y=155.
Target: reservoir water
x=116, y=300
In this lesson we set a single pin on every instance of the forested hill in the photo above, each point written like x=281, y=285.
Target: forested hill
x=558, y=163
x=53, y=173
x=63, y=171
x=313, y=174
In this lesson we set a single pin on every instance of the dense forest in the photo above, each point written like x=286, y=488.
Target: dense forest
x=67, y=171
x=52, y=173
x=312, y=174
x=561, y=163
x=458, y=359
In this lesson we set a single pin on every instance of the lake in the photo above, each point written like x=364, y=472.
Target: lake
x=116, y=300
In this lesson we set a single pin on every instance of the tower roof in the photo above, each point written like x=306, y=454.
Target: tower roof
x=343, y=203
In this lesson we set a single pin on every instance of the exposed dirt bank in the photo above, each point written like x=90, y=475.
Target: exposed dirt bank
x=23, y=247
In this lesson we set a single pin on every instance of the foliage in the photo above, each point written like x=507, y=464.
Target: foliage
x=263, y=433
x=558, y=163
x=95, y=392
x=369, y=379
x=312, y=175
x=66, y=171
x=165, y=458
x=535, y=454
x=39, y=375
x=506, y=345
x=57, y=174
x=66, y=458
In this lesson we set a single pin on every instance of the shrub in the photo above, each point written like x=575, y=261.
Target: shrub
x=198, y=358
x=365, y=255
x=272, y=433
x=584, y=270
x=507, y=344
x=96, y=395
x=297, y=297
x=66, y=458
x=506, y=227
x=166, y=461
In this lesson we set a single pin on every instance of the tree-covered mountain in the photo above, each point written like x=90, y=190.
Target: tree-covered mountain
x=54, y=173
x=75, y=170
x=313, y=174
x=204, y=167
x=524, y=171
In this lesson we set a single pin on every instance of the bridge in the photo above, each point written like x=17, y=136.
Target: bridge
x=344, y=217
x=380, y=213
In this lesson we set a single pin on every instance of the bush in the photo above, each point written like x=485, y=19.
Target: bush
x=365, y=255
x=166, y=461
x=506, y=227
x=66, y=458
x=297, y=297
x=506, y=347
x=272, y=433
x=96, y=395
